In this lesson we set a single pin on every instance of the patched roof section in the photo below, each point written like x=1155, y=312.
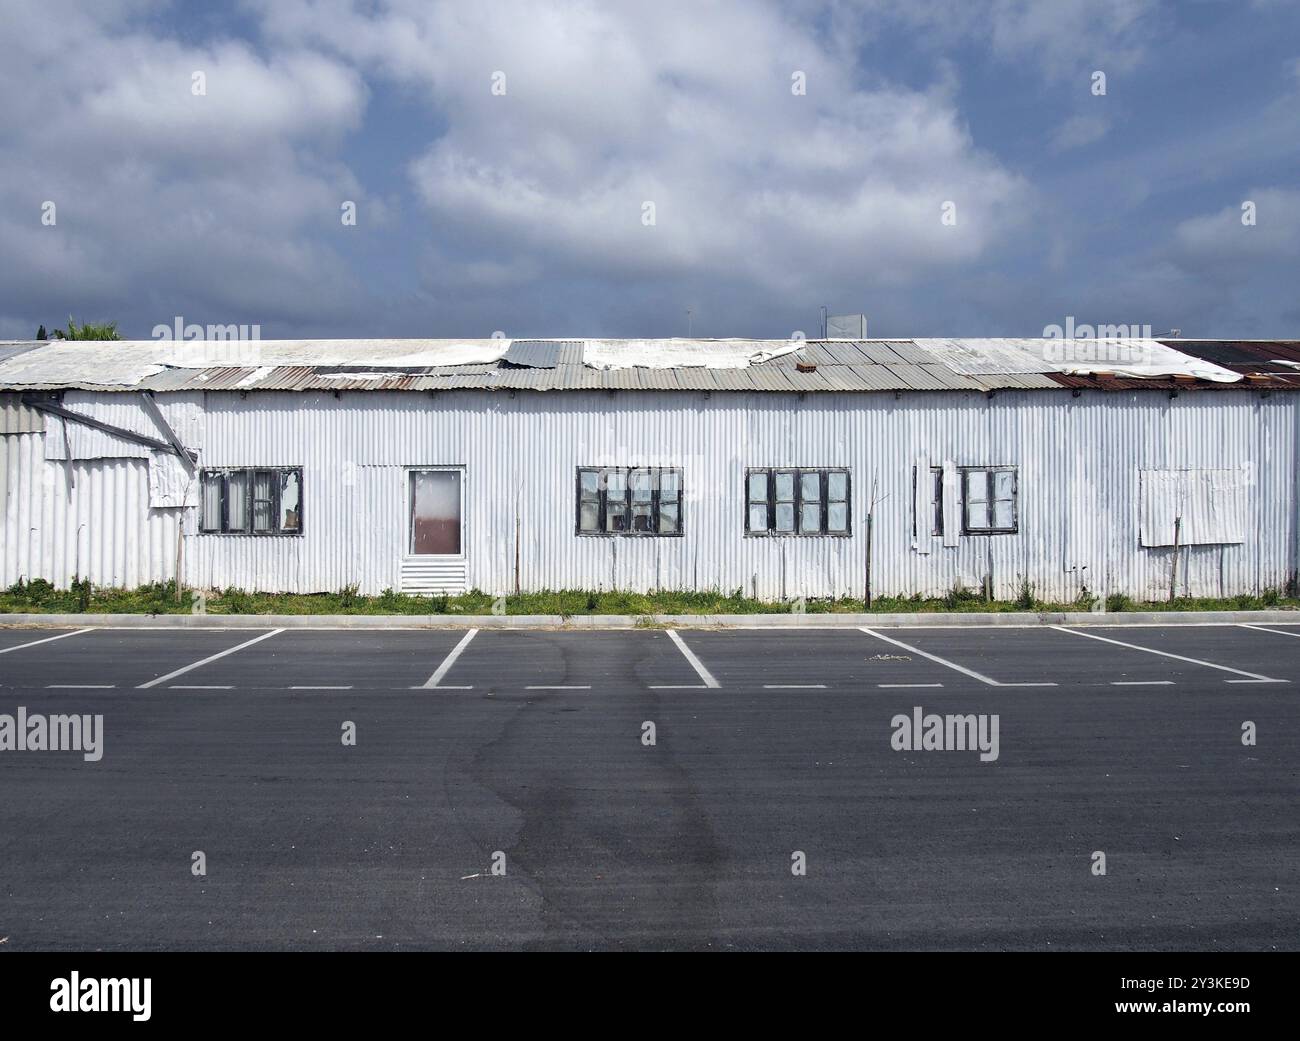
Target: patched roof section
x=774, y=366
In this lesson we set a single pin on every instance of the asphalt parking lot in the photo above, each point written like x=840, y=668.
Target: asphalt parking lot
x=767, y=744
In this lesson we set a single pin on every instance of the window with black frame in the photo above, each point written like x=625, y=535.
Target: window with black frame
x=797, y=501
x=615, y=500
x=251, y=501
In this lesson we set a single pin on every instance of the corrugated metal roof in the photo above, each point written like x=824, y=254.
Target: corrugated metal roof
x=543, y=354
x=776, y=366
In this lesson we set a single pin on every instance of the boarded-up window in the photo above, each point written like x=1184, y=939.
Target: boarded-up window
x=435, y=512
x=971, y=500
x=1211, y=505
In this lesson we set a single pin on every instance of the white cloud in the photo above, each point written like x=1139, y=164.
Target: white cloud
x=168, y=201
x=1222, y=242
x=608, y=106
x=1079, y=131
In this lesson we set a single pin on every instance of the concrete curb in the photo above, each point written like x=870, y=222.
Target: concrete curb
x=595, y=622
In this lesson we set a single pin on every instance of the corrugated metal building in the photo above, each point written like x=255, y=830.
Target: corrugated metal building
x=720, y=465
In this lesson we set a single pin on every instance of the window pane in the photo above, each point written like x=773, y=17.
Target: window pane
x=784, y=487
x=938, y=502
x=435, y=512
x=837, y=486
x=616, y=484
x=642, y=486
x=263, y=485
x=589, y=483
x=785, y=516
x=642, y=517
x=211, y=502
x=758, y=487
x=977, y=485
x=290, y=501
x=669, y=518
x=1003, y=514
x=670, y=484
x=977, y=515
x=237, y=501
x=837, y=516
x=616, y=516
x=757, y=517
x=810, y=486
x=811, y=518
x=1004, y=483
x=589, y=516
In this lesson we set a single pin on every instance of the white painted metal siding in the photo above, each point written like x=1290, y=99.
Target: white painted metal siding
x=1079, y=461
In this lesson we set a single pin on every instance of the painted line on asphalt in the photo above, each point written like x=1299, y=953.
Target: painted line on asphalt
x=47, y=639
x=908, y=685
x=951, y=664
x=1260, y=628
x=210, y=658
x=1141, y=683
x=1251, y=677
x=200, y=686
x=313, y=686
x=696, y=664
x=678, y=686
x=434, y=682
x=794, y=686
x=559, y=686
x=79, y=686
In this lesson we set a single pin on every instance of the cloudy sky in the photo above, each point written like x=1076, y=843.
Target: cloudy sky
x=501, y=154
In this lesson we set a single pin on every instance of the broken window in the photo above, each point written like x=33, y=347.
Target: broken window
x=629, y=501
x=290, y=501
x=257, y=501
x=797, y=502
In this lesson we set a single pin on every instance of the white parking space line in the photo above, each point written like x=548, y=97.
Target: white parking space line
x=794, y=686
x=1251, y=677
x=909, y=685
x=79, y=686
x=200, y=686
x=48, y=639
x=319, y=687
x=1260, y=628
x=951, y=664
x=678, y=686
x=1141, y=683
x=559, y=686
x=696, y=664
x=210, y=658
x=434, y=682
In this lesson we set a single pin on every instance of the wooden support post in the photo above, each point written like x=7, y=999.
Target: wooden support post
x=866, y=600
x=1173, y=576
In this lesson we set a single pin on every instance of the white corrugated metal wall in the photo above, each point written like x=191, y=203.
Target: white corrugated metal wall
x=1079, y=460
